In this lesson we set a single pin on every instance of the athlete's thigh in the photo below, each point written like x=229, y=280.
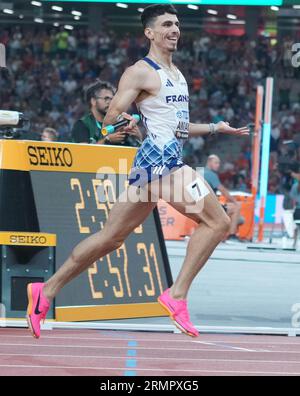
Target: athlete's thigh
x=128, y=212
x=188, y=192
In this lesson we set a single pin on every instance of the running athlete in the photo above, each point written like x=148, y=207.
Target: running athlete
x=161, y=94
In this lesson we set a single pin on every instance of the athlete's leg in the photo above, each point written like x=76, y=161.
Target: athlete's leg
x=207, y=212
x=123, y=218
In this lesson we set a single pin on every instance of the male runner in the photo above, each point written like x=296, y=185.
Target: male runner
x=161, y=94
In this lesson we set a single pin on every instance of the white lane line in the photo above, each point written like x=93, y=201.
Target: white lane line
x=226, y=346
x=224, y=350
x=153, y=358
x=160, y=370
x=160, y=340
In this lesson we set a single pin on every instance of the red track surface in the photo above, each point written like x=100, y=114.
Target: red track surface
x=96, y=353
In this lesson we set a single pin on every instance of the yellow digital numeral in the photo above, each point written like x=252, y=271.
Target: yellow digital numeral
x=113, y=270
x=79, y=206
x=141, y=247
x=93, y=270
x=153, y=255
x=139, y=229
x=97, y=184
x=123, y=248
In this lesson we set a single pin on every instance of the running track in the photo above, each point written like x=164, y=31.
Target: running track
x=112, y=353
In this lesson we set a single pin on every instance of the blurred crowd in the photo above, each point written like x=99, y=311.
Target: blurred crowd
x=49, y=70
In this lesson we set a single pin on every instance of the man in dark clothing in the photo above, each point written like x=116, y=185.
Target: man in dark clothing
x=88, y=129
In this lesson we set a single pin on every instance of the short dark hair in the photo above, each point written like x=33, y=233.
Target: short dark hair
x=95, y=87
x=155, y=10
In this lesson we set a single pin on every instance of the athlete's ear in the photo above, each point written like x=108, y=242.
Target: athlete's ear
x=149, y=33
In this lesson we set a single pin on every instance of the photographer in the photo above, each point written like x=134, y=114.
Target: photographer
x=88, y=129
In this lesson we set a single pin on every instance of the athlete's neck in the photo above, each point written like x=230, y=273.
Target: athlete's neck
x=164, y=58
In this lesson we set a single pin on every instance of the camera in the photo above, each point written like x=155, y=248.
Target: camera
x=10, y=122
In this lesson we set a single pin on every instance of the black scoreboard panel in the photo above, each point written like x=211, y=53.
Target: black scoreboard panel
x=74, y=204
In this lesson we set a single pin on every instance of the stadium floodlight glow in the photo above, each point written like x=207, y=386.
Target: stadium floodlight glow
x=21, y=16
x=76, y=13
x=38, y=20
x=140, y=9
x=274, y=8
x=200, y=2
x=56, y=24
x=122, y=5
x=192, y=7
x=77, y=18
x=8, y=11
x=212, y=12
x=231, y=16
x=237, y=22
x=69, y=27
x=57, y=8
x=36, y=3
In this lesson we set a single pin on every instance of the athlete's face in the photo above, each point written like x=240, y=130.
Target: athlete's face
x=164, y=32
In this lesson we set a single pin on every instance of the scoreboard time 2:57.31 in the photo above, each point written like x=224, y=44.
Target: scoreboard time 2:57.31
x=73, y=188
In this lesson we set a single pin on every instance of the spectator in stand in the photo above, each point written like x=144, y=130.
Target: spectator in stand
x=295, y=196
x=241, y=185
x=232, y=206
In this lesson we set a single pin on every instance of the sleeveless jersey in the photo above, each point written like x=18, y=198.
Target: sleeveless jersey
x=166, y=119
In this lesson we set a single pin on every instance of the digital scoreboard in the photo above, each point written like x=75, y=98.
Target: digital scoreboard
x=68, y=190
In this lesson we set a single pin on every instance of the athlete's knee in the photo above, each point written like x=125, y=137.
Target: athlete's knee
x=116, y=243
x=114, y=240
x=222, y=224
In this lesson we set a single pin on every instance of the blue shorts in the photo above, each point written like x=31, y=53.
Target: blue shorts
x=152, y=162
x=141, y=176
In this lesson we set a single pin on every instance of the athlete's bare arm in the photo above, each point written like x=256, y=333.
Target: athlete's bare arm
x=221, y=127
x=136, y=83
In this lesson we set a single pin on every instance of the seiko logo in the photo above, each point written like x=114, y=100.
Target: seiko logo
x=30, y=239
x=177, y=98
x=50, y=156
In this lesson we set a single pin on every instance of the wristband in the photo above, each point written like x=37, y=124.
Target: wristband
x=212, y=129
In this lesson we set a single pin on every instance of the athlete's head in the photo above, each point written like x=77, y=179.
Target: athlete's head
x=99, y=95
x=161, y=26
x=213, y=162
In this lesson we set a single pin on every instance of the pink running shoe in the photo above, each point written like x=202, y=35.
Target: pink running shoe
x=37, y=309
x=178, y=311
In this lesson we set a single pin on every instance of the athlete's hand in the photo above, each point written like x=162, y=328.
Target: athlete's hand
x=132, y=122
x=224, y=127
x=117, y=137
x=135, y=132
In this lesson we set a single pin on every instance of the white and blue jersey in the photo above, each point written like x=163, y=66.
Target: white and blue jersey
x=166, y=119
